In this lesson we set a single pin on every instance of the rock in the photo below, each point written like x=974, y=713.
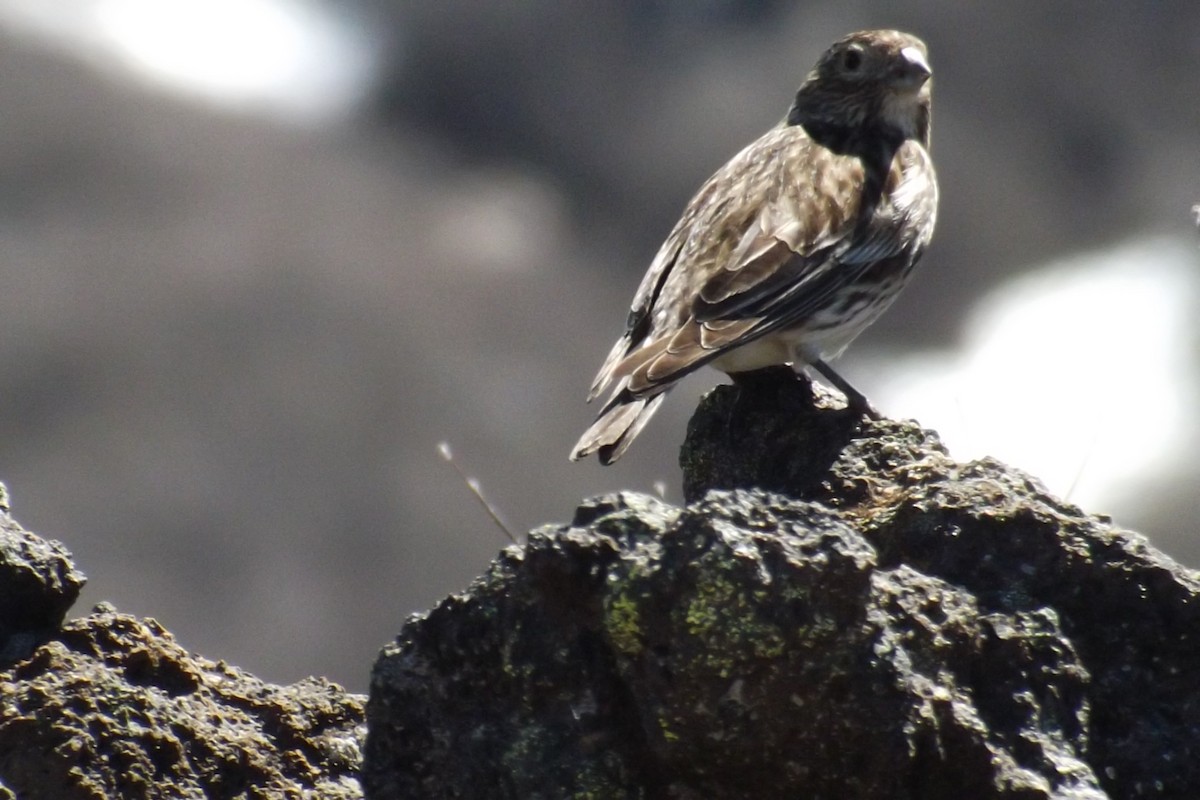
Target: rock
x=38, y=585
x=841, y=610
x=111, y=706
x=114, y=707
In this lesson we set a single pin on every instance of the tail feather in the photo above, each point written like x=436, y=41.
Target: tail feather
x=619, y=423
x=605, y=376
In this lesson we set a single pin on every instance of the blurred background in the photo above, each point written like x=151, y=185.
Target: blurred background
x=258, y=257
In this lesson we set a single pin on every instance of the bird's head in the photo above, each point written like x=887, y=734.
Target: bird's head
x=869, y=84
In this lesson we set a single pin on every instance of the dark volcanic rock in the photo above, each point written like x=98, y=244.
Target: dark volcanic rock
x=840, y=611
x=111, y=706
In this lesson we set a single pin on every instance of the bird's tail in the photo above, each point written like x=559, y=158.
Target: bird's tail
x=619, y=423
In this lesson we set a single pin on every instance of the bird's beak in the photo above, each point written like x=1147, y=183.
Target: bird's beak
x=912, y=71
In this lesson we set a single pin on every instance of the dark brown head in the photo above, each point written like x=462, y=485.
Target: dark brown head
x=870, y=86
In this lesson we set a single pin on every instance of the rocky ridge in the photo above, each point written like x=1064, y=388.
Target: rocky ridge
x=839, y=609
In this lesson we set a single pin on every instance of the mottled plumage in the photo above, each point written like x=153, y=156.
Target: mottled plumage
x=793, y=247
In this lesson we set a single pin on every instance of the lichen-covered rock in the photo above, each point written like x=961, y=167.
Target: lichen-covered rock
x=113, y=707
x=840, y=611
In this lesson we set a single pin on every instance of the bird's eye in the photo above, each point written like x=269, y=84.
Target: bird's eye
x=852, y=59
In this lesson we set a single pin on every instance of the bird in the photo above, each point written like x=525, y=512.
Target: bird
x=793, y=247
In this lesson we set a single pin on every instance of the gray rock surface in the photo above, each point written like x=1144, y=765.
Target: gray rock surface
x=841, y=610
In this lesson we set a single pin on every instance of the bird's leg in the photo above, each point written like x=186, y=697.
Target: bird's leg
x=854, y=398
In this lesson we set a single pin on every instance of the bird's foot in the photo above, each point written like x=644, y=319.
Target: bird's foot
x=856, y=401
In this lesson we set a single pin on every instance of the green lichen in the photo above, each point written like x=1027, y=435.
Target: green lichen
x=668, y=734
x=721, y=616
x=623, y=624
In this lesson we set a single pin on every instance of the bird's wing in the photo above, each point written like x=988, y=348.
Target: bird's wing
x=795, y=277
x=637, y=325
x=702, y=223
x=714, y=220
x=809, y=240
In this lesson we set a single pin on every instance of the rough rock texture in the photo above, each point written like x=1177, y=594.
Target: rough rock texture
x=110, y=706
x=38, y=585
x=841, y=611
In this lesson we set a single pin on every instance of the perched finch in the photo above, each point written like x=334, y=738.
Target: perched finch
x=793, y=247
